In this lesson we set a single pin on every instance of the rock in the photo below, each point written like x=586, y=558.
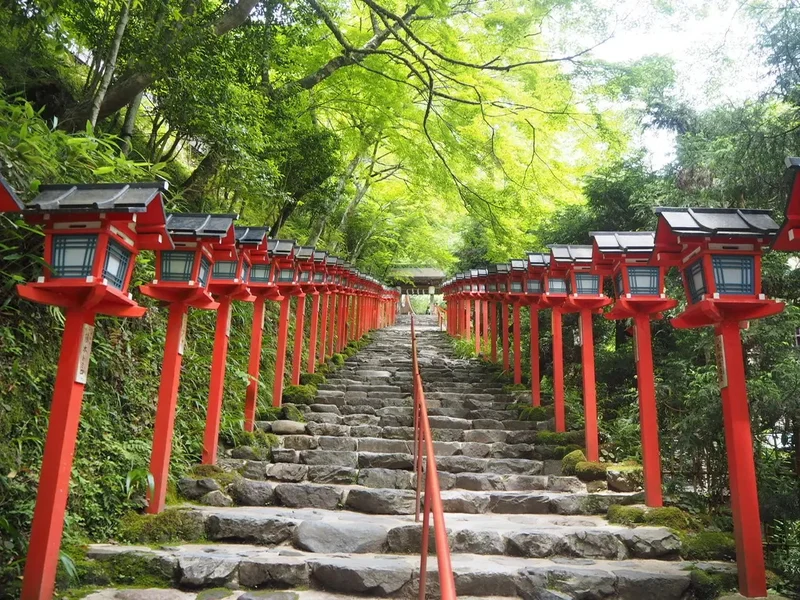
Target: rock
x=339, y=536
x=592, y=487
x=624, y=480
x=460, y=464
x=299, y=495
x=449, y=423
x=378, y=576
x=329, y=457
x=473, y=449
x=385, y=478
x=373, y=460
x=216, y=498
x=500, y=450
x=331, y=474
x=280, y=455
x=479, y=482
x=565, y=484
x=485, y=436
x=592, y=544
x=205, y=571
x=587, y=584
x=244, y=528
x=465, y=502
x=361, y=419
x=194, y=489
x=521, y=437
x=476, y=542
x=486, y=583
x=143, y=594
x=487, y=424
x=382, y=445
x=324, y=418
x=288, y=427
x=381, y=502
x=250, y=453
x=367, y=374
x=525, y=483
x=288, y=471
x=269, y=595
x=532, y=504
x=247, y=492
x=511, y=466
x=278, y=571
x=325, y=408
x=447, y=435
x=532, y=544
x=327, y=429
x=360, y=431
x=651, y=542
x=255, y=469
x=299, y=442
x=633, y=585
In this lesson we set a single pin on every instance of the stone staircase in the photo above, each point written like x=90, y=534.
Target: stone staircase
x=333, y=510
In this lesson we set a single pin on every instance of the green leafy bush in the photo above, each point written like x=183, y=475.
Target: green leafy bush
x=590, y=471
x=171, y=525
x=569, y=462
x=337, y=359
x=300, y=394
x=311, y=378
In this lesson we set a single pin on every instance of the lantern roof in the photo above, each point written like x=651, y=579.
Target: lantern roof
x=473, y=272
x=199, y=224
x=728, y=222
x=460, y=276
x=518, y=264
x=320, y=256
x=251, y=235
x=503, y=268
x=96, y=197
x=305, y=253
x=330, y=260
x=787, y=236
x=492, y=269
x=483, y=272
x=282, y=248
x=570, y=254
x=622, y=242
x=8, y=199
x=538, y=259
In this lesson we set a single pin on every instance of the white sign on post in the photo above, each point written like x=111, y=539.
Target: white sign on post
x=182, y=342
x=82, y=372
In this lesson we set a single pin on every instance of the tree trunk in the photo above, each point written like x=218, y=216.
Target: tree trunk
x=130, y=123
x=111, y=62
x=283, y=216
x=195, y=185
x=322, y=223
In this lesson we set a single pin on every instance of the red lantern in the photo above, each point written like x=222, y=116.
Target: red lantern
x=534, y=288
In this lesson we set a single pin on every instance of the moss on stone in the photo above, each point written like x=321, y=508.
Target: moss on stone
x=129, y=568
x=337, y=359
x=171, y=525
x=670, y=516
x=311, y=378
x=223, y=478
x=300, y=394
x=570, y=460
x=709, y=545
x=535, y=413
x=290, y=412
x=515, y=388
x=591, y=471
x=709, y=585
x=625, y=515
x=268, y=413
x=565, y=438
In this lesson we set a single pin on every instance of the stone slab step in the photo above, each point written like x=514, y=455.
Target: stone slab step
x=170, y=594
x=322, y=531
x=215, y=565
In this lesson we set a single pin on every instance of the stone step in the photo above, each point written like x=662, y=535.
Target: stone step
x=322, y=531
x=192, y=566
x=225, y=594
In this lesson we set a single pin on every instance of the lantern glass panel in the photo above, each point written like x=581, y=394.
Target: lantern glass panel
x=176, y=265
x=734, y=274
x=587, y=284
x=73, y=255
x=618, y=286
x=225, y=269
x=319, y=277
x=117, y=260
x=245, y=270
x=516, y=286
x=557, y=286
x=286, y=275
x=205, y=268
x=534, y=286
x=260, y=273
x=501, y=287
x=305, y=276
x=474, y=287
x=643, y=280
x=492, y=287
x=481, y=288
x=697, y=281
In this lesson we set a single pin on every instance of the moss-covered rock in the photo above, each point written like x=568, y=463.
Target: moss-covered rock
x=337, y=359
x=300, y=394
x=535, y=413
x=268, y=413
x=223, y=478
x=670, y=516
x=709, y=545
x=565, y=438
x=289, y=412
x=625, y=515
x=171, y=525
x=591, y=471
x=515, y=388
x=709, y=585
x=311, y=378
x=570, y=460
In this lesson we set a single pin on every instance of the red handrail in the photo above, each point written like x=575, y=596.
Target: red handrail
x=423, y=448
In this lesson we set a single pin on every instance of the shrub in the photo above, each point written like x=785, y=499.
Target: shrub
x=591, y=471
x=172, y=525
x=311, y=378
x=670, y=516
x=707, y=586
x=625, y=515
x=709, y=545
x=300, y=394
x=233, y=437
x=570, y=460
x=337, y=359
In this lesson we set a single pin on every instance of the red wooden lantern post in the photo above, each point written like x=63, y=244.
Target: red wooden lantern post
x=92, y=236
x=537, y=265
x=182, y=277
x=326, y=290
x=333, y=310
x=553, y=297
x=229, y=277
x=503, y=273
x=262, y=287
x=516, y=297
x=719, y=254
x=304, y=256
x=494, y=297
x=584, y=296
x=286, y=275
x=316, y=295
x=639, y=290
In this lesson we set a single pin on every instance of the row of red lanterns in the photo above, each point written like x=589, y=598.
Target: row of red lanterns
x=92, y=235
x=718, y=252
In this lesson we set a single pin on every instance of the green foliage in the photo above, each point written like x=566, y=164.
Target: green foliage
x=625, y=515
x=312, y=378
x=171, y=525
x=560, y=438
x=707, y=545
x=337, y=360
x=300, y=394
x=223, y=478
x=590, y=471
x=571, y=460
x=535, y=413
x=710, y=585
x=783, y=556
x=670, y=516
x=514, y=388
